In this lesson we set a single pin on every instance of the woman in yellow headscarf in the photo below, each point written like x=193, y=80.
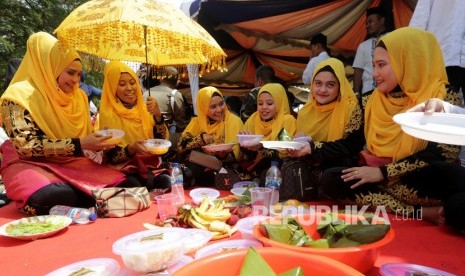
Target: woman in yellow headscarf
x=332, y=119
x=271, y=119
x=402, y=172
x=214, y=124
x=47, y=119
x=122, y=107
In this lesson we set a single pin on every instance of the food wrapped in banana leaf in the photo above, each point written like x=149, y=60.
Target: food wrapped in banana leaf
x=254, y=264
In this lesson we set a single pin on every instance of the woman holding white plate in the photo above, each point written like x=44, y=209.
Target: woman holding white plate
x=401, y=173
x=122, y=107
x=272, y=119
x=214, y=132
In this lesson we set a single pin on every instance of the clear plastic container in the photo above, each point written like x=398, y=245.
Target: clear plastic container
x=226, y=246
x=151, y=250
x=196, y=239
x=199, y=194
x=91, y=267
x=245, y=226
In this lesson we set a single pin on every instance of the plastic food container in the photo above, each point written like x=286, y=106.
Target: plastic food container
x=245, y=226
x=169, y=271
x=302, y=139
x=394, y=269
x=196, y=239
x=361, y=257
x=245, y=184
x=248, y=140
x=117, y=135
x=226, y=246
x=151, y=250
x=157, y=146
x=229, y=263
x=199, y=194
x=91, y=267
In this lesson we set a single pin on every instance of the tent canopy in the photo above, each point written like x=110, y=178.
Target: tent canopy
x=277, y=33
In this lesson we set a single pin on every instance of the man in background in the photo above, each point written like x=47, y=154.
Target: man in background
x=172, y=104
x=319, y=52
x=363, y=66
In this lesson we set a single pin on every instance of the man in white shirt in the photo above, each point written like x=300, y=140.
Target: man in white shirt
x=319, y=52
x=363, y=66
x=445, y=19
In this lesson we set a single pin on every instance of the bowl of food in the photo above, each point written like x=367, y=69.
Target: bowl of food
x=116, y=135
x=157, y=146
x=249, y=184
x=302, y=139
x=199, y=194
x=230, y=263
x=226, y=246
x=249, y=140
x=151, y=250
x=246, y=225
x=97, y=266
x=360, y=253
x=196, y=239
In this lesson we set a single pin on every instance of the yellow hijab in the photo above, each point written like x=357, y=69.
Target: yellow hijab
x=58, y=114
x=416, y=59
x=136, y=122
x=270, y=130
x=327, y=122
x=224, y=131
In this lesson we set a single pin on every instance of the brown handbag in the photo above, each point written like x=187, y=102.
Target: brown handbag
x=205, y=160
x=121, y=202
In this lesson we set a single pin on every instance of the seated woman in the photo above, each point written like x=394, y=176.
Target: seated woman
x=46, y=117
x=214, y=124
x=454, y=206
x=402, y=172
x=271, y=118
x=122, y=107
x=332, y=118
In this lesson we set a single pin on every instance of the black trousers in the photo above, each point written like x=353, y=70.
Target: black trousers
x=456, y=76
x=443, y=181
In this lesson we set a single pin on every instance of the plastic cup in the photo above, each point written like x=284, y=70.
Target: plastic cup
x=261, y=198
x=166, y=205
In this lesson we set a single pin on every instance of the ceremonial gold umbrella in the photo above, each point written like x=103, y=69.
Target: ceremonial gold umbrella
x=145, y=31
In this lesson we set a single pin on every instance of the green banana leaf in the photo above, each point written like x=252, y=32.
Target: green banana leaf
x=296, y=271
x=254, y=264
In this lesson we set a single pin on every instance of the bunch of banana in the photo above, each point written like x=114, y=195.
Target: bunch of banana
x=208, y=216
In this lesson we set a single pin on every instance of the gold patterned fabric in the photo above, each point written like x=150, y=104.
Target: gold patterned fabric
x=421, y=75
x=58, y=114
x=282, y=119
x=328, y=122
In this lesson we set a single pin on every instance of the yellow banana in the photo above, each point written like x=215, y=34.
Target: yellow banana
x=199, y=219
x=218, y=235
x=219, y=226
x=204, y=204
x=195, y=224
x=222, y=215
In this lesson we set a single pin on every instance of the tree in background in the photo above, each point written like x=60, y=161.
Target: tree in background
x=21, y=18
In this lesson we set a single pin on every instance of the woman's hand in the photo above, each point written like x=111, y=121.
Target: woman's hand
x=153, y=108
x=138, y=147
x=96, y=141
x=429, y=107
x=305, y=150
x=365, y=174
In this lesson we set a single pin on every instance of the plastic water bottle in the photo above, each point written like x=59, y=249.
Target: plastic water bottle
x=177, y=183
x=78, y=215
x=273, y=181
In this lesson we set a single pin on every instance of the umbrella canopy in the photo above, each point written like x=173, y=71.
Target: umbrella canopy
x=145, y=31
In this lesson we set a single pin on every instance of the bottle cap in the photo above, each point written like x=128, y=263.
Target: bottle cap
x=175, y=165
x=92, y=216
x=274, y=163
